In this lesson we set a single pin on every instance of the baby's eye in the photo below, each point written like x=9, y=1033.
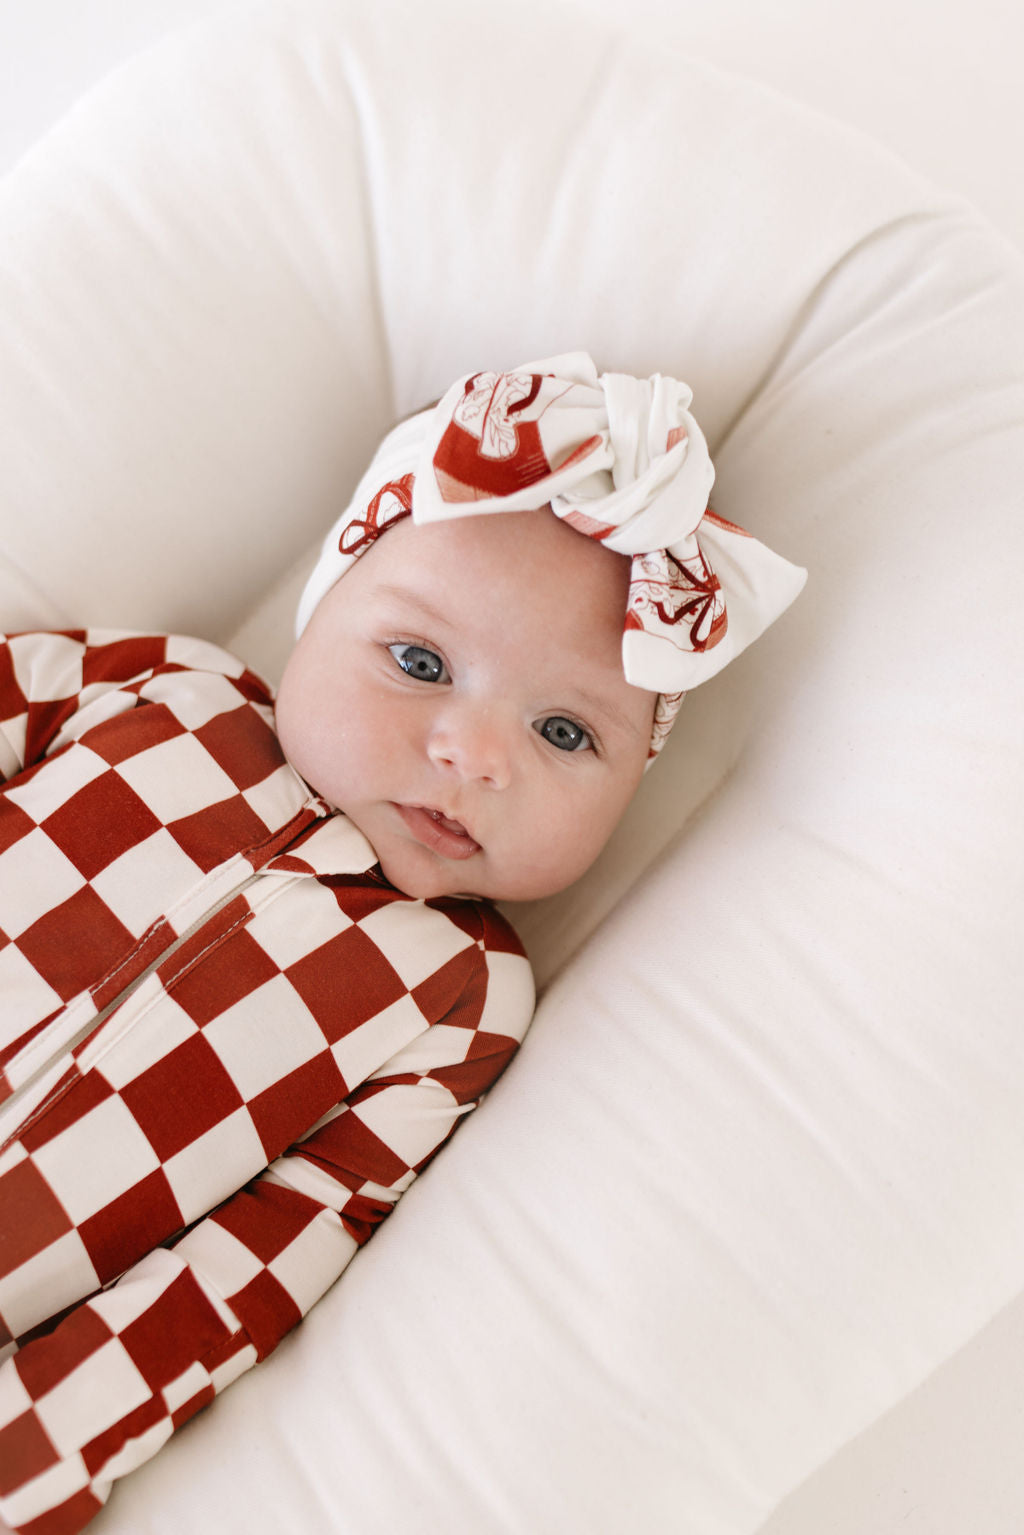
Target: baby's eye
x=419, y=662
x=563, y=733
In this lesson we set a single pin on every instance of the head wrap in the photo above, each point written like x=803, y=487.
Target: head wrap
x=621, y=460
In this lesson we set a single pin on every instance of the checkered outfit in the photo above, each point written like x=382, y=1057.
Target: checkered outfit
x=227, y=1046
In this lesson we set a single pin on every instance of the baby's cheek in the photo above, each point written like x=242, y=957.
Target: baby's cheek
x=588, y=826
x=557, y=859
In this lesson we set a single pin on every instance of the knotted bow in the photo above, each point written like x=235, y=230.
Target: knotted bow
x=621, y=460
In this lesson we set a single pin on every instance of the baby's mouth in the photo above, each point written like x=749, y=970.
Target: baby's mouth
x=437, y=831
x=446, y=821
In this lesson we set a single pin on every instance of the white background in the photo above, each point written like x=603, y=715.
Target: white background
x=938, y=81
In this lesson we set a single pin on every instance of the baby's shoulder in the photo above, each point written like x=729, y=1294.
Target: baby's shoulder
x=501, y=962
x=189, y=653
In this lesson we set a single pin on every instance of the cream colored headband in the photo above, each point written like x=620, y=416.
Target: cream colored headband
x=621, y=460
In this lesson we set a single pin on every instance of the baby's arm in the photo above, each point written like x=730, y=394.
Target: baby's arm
x=46, y=677
x=96, y=1397
x=53, y=684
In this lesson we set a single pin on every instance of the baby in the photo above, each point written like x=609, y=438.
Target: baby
x=252, y=976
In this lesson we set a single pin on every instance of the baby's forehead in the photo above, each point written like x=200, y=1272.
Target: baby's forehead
x=531, y=561
x=512, y=541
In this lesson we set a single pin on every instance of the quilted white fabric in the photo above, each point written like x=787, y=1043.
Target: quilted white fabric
x=757, y=1172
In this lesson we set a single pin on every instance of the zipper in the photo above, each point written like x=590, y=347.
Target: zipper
x=55, y=1063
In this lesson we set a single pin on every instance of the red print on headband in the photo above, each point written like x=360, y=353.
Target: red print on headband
x=391, y=503
x=492, y=444
x=678, y=592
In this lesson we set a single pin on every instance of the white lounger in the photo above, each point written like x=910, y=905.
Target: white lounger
x=757, y=1176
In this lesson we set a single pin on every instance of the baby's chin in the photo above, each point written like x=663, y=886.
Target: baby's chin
x=426, y=884
x=432, y=885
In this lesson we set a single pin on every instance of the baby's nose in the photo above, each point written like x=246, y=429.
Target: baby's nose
x=474, y=743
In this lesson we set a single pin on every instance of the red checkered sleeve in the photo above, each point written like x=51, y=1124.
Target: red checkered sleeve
x=48, y=677
x=89, y=1401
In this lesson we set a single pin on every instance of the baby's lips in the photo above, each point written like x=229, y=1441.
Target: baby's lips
x=438, y=832
x=447, y=822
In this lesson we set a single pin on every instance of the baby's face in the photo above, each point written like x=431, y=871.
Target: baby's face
x=459, y=695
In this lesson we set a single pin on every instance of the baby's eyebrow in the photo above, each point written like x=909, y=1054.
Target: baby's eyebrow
x=595, y=704
x=408, y=594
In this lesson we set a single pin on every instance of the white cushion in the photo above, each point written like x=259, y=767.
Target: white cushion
x=756, y=1173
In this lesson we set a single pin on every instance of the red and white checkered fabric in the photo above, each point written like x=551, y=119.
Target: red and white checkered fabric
x=216, y=1019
